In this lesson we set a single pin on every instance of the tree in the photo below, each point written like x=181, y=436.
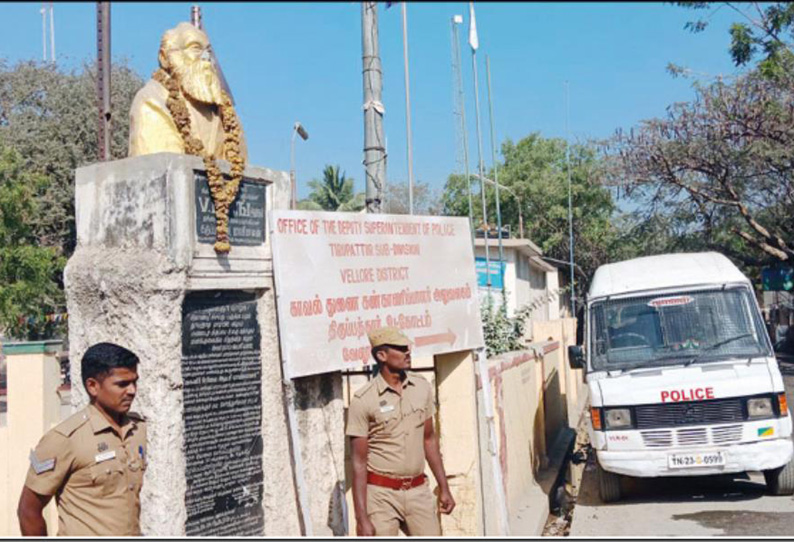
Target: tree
x=29, y=273
x=721, y=167
x=535, y=170
x=333, y=193
x=50, y=117
x=763, y=29
x=396, y=202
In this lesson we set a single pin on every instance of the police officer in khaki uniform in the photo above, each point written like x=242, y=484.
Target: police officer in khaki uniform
x=93, y=462
x=390, y=422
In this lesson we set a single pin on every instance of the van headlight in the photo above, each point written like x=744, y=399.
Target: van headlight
x=617, y=418
x=759, y=408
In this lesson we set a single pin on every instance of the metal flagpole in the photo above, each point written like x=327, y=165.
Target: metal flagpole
x=570, y=198
x=457, y=19
x=474, y=42
x=496, y=180
x=52, y=32
x=408, y=113
x=44, y=31
x=482, y=362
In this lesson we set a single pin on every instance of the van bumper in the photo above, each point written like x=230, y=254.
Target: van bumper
x=753, y=456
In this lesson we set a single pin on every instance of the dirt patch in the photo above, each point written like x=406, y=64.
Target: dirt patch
x=565, y=492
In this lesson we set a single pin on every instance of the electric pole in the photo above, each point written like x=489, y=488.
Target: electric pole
x=103, y=77
x=195, y=16
x=197, y=21
x=409, y=142
x=374, y=151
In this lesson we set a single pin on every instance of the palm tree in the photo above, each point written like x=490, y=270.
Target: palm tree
x=333, y=193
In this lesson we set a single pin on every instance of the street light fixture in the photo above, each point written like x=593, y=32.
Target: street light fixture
x=301, y=131
x=507, y=189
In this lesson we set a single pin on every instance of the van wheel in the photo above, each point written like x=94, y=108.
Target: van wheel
x=608, y=484
x=780, y=481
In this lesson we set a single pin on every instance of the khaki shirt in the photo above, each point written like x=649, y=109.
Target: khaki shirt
x=393, y=424
x=94, y=473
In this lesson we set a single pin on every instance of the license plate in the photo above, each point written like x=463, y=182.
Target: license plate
x=693, y=461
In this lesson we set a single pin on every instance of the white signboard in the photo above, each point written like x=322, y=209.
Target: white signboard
x=339, y=275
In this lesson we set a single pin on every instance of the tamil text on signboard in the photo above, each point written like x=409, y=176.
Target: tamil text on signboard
x=339, y=275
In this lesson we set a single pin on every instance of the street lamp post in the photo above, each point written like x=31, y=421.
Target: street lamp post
x=518, y=199
x=301, y=131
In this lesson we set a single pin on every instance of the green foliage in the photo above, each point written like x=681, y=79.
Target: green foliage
x=742, y=46
x=29, y=273
x=455, y=197
x=763, y=29
x=535, y=170
x=333, y=193
x=50, y=117
x=715, y=173
x=501, y=332
x=48, y=128
x=308, y=205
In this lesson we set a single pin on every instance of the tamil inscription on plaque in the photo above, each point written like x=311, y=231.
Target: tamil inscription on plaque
x=221, y=373
x=246, y=216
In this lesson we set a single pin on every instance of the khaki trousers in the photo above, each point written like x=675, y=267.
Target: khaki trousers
x=412, y=510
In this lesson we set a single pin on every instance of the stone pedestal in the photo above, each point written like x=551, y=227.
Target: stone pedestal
x=145, y=276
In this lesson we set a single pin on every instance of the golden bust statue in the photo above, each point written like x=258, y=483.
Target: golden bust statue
x=183, y=109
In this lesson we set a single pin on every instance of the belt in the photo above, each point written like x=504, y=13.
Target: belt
x=395, y=483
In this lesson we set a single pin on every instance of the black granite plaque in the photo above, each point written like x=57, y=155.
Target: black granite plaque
x=221, y=374
x=246, y=216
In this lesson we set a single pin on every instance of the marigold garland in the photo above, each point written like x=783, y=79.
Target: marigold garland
x=223, y=192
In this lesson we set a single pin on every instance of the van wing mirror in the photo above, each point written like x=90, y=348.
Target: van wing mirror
x=576, y=357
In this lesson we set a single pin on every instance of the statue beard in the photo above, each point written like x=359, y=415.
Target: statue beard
x=199, y=82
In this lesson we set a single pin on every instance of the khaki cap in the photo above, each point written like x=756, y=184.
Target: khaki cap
x=388, y=335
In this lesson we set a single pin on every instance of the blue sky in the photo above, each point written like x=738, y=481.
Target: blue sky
x=302, y=61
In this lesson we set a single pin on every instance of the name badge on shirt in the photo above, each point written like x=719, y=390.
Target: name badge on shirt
x=387, y=408
x=99, y=458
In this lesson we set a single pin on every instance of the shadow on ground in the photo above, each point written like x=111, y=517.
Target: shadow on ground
x=683, y=489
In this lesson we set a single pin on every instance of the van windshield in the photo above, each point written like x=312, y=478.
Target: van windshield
x=702, y=326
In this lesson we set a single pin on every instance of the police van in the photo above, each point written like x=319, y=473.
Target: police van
x=682, y=377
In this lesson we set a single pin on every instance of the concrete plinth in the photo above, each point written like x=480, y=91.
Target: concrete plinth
x=144, y=251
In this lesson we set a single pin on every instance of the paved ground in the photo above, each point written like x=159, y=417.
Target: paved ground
x=734, y=505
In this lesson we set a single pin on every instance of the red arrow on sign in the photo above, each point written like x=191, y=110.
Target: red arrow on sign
x=447, y=337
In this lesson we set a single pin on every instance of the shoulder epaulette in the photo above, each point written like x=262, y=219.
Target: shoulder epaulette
x=72, y=423
x=364, y=389
x=418, y=379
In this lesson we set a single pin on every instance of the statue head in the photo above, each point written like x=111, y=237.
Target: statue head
x=184, y=54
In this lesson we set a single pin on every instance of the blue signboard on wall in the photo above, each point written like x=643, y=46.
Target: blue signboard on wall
x=497, y=272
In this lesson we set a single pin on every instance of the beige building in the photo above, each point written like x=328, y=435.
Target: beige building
x=528, y=279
